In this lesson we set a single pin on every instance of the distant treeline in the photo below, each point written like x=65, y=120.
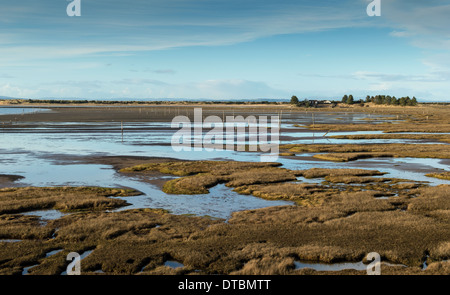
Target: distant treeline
x=382, y=100
x=347, y=99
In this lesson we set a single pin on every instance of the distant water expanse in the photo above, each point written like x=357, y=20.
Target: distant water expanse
x=284, y=99
x=19, y=110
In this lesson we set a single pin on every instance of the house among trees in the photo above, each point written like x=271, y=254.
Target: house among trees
x=309, y=102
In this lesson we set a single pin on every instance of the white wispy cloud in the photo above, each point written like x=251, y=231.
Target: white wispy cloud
x=116, y=27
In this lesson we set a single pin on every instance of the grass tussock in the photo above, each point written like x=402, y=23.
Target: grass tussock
x=16, y=226
x=192, y=185
x=302, y=194
x=430, y=199
x=441, y=251
x=355, y=179
x=443, y=175
x=18, y=200
x=260, y=176
x=186, y=168
x=351, y=152
x=199, y=176
x=322, y=172
x=432, y=137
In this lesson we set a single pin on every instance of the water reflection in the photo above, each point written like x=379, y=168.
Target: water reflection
x=20, y=110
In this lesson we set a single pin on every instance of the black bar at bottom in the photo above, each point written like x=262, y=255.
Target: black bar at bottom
x=223, y=284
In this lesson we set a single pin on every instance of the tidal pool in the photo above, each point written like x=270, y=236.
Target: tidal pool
x=339, y=266
x=173, y=264
x=331, y=267
x=46, y=215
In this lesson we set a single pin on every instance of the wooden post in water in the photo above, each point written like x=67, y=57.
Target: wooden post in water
x=279, y=119
x=121, y=127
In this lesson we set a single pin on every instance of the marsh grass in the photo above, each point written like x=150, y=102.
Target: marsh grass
x=192, y=185
x=344, y=227
x=440, y=127
x=323, y=172
x=331, y=222
x=443, y=175
x=432, y=137
x=356, y=179
x=302, y=194
x=186, y=168
x=66, y=199
x=260, y=176
x=430, y=199
x=351, y=152
x=199, y=176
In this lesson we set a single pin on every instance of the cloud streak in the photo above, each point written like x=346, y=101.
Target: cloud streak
x=132, y=26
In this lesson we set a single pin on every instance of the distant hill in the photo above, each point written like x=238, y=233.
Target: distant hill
x=7, y=97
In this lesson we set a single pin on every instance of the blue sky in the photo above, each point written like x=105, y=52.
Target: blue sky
x=224, y=49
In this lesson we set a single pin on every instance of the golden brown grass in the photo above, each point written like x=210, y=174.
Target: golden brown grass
x=199, y=176
x=17, y=200
x=431, y=198
x=323, y=172
x=441, y=251
x=443, y=175
x=344, y=227
x=302, y=194
x=185, y=168
x=433, y=137
x=260, y=176
x=350, y=152
x=356, y=179
x=15, y=226
x=192, y=185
